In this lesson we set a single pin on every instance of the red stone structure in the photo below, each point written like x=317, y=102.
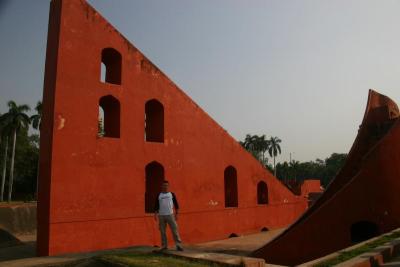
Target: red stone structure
x=360, y=203
x=98, y=180
x=311, y=190
x=310, y=186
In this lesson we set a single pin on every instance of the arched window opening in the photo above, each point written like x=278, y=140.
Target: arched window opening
x=363, y=230
x=154, y=121
x=262, y=193
x=154, y=180
x=230, y=184
x=109, y=113
x=111, y=66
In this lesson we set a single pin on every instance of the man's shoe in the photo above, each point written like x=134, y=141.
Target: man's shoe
x=163, y=249
x=179, y=248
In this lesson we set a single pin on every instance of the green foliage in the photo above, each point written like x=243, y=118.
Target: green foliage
x=26, y=159
x=153, y=259
x=257, y=146
x=269, y=167
x=15, y=118
x=273, y=146
x=26, y=163
x=37, y=118
x=14, y=127
x=324, y=170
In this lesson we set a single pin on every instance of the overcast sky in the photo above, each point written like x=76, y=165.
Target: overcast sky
x=299, y=70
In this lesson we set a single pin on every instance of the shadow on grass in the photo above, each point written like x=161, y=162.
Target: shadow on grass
x=155, y=260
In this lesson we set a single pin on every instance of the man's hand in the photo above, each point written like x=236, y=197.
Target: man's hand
x=155, y=216
x=176, y=216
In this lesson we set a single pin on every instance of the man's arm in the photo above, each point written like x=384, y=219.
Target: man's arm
x=176, y=204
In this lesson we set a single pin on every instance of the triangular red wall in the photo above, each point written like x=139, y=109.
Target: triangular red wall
x=91, y=192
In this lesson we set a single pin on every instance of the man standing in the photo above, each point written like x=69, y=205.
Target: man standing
x=164, y=210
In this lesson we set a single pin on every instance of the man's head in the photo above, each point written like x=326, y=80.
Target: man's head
x=165, y=186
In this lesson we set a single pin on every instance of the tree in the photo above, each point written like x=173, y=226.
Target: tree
x=36, y=121
x=294, y=165
x=26, y=164
x=15, y=119
x=263, y=145
x=274, y=148
x=332, y=166
x=250, y=145
x=2, y=181
x=283, y=171
x=257, y=146
x=5, y=130
x=3, y=178
x=324, y=170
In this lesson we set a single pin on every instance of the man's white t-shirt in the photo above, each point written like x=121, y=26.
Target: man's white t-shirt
x=166, y=203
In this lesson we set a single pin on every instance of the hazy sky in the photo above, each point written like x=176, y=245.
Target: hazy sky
x=299, y=70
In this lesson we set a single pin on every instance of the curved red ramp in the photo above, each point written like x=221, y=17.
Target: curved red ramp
x=361, y=202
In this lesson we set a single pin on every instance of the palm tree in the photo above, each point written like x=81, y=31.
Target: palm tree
x=249, y=144
x=36, y=121
x=274, y=148
x=15, y=119
x=257, y=146
x=263, y=145
x=1, y=129
x=3, y=177
x=5, y=131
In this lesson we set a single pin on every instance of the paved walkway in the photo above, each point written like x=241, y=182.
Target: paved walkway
x=217, y=257
x=230, y=251
x=241, y=245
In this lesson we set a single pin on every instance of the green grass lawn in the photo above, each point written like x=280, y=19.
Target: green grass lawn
x=346, y=255
x=152, y=260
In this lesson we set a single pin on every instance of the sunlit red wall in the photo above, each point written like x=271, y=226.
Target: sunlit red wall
x=92, y=189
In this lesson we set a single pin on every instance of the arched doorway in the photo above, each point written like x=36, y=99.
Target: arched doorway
x=262, y=193
x=154, y=180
